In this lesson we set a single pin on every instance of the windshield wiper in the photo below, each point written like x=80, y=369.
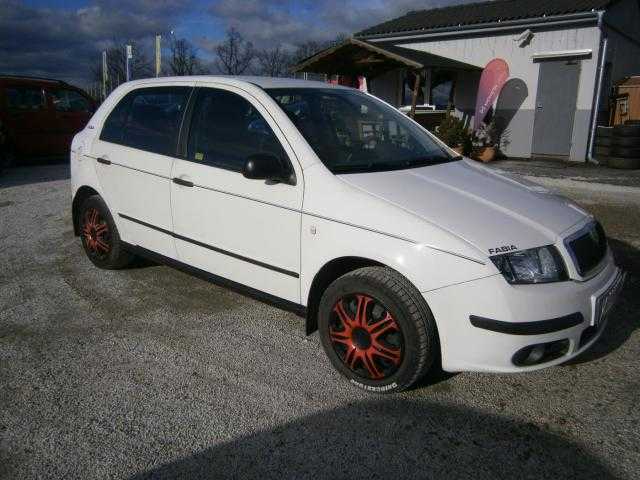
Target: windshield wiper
x=392, y=165
x=426, y=161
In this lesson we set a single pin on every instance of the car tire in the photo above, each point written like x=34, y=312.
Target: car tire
x=602, y=151
x=7, y=158
x=100, y=237
x=377, y=330
x=627, y=130
x=603, y=141
x=604, y=131
x=625, y=152
x=629, y=142
x=622, y=163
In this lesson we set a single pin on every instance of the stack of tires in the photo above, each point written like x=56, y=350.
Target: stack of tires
x=624, y=149
x=602, y=148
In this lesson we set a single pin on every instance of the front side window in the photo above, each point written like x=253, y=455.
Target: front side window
x=226, y=129
x=148, y=119
x=25, y=98
x=70, y=101
x=352, y=132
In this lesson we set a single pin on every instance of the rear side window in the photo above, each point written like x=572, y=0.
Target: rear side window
x=148, y=119
x=70, y=101
x=24, y=98
x=226, y=129
x=113, y=129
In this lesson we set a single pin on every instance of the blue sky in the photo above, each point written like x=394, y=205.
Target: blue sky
x=63, y=38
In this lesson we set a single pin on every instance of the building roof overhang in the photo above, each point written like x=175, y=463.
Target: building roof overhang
x=359, y=57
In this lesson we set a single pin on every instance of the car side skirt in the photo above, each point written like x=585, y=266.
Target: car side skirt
x=240, y=288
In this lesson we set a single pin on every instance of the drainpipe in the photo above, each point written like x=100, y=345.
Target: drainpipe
x=594, y=114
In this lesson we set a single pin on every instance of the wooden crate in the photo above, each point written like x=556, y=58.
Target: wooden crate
x=626, y=101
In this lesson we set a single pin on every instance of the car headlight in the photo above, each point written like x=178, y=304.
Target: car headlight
x=536, y=265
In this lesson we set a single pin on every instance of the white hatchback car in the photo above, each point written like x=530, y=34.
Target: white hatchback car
x=329, y=202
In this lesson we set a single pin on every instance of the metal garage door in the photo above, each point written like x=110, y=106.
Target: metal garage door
x=555, y=107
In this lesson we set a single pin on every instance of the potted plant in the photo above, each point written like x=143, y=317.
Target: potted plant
x=485, y=144
x=454, y=133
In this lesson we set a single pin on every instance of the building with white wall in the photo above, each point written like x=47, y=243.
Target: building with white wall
x=563, y=57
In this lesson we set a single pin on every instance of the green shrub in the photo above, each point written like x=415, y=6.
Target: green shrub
x=453, y=132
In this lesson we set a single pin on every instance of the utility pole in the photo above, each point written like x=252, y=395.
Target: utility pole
x=128, y=57
x=158, y=55
x=104, y=74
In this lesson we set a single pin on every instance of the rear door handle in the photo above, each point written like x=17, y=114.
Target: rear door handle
x=103, y=161
x=184, y=183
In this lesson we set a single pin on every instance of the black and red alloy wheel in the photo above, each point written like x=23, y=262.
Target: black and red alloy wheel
x=95, y=233
x=366, y=337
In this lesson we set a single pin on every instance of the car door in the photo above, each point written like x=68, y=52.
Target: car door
x=134, y=156
x=244, y=230
x=70, y=111
x=28, y=121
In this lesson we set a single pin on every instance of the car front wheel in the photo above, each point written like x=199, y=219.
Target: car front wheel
x=377, y=330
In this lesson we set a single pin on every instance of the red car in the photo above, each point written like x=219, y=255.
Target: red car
x=39, y=117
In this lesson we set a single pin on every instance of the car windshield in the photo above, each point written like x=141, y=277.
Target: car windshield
x=352, y=132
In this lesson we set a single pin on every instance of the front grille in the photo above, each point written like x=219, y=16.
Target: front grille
x=588, y=248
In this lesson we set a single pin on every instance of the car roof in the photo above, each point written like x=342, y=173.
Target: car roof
x=25, y=79
x=7, y=81
x=262, y=82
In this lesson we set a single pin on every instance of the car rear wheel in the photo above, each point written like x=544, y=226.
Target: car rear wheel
x=100, y=237
x=377, y=330
x=7, y=157
x=623, y=163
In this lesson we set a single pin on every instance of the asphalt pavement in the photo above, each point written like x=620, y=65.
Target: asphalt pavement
x=150, y=373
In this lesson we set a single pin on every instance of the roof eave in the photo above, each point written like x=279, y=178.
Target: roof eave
x=573, y=18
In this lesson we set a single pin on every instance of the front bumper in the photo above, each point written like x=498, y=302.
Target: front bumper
x=525, y=315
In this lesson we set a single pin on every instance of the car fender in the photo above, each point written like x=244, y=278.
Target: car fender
x=339, y=220
x=83, y=169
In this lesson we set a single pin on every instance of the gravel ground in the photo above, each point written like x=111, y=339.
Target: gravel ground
x=150, y=373
x=559, y=169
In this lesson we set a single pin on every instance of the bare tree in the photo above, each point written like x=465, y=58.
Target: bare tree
x=274, y=62
x=306, y=49
x=184, y=58
x=311, y=47
x=235, y=54
x=140, y=66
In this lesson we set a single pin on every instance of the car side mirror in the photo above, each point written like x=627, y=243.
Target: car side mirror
x=264, y=166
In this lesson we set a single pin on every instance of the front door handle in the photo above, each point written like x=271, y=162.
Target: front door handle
x=184, y=183
x=103, y=161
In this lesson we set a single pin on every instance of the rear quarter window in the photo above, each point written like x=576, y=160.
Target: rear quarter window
x=113, y=128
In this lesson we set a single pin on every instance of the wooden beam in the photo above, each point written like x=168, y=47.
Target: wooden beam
x=414, y=98
x=350, y=45
x=369, y=60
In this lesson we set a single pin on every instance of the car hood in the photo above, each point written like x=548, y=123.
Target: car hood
x=487, y=208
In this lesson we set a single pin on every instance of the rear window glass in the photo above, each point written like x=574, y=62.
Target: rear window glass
x=24, y=98
x=148, y=119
